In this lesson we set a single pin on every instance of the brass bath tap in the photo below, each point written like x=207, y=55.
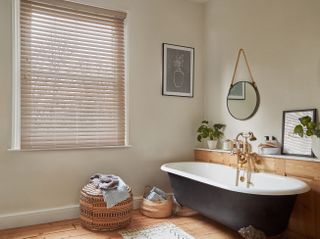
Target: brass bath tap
x=246, y=159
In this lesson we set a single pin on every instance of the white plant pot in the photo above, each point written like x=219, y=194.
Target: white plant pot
x=212, y=144
x=316, y=146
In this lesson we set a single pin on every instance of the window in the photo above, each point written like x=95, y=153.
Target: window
x=70, y=79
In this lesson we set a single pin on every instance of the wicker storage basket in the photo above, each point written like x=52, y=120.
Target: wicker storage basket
x=161, y=209
x=94, y=215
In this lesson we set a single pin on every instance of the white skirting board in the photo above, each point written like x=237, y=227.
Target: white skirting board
x=28, y=218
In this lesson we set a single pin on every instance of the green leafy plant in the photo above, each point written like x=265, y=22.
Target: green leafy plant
x=213, y=133
x=307, y=127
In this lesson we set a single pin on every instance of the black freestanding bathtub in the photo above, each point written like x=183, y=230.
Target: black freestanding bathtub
x=210, y=189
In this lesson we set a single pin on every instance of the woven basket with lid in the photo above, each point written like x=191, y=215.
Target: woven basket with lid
x=94, y=214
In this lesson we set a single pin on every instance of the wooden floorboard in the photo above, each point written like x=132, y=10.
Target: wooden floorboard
x=197, y=226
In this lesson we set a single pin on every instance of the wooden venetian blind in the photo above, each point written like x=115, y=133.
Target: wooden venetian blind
x=72, y=75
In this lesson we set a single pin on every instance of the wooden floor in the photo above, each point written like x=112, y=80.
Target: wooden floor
x=197, y=226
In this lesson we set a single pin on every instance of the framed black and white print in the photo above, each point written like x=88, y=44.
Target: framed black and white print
x=293, y=144
x=177, y=70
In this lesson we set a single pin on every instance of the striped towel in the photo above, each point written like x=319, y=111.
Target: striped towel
x=116, y=195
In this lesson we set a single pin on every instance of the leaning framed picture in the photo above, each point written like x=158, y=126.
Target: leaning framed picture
x=177, y=70
x=293, y=144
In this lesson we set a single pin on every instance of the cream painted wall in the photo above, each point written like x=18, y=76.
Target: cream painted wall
x=161, y=127
x=282, y=42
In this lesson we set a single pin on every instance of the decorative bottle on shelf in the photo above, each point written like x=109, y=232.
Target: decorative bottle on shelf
x=227, y=145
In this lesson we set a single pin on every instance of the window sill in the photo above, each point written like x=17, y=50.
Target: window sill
x=69, y=149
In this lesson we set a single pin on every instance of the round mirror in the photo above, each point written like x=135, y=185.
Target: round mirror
x=243, y=100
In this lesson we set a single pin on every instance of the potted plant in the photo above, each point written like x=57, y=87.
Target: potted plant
x=309, y=129
x=213, y=133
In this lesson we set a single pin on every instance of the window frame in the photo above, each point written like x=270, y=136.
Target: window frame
x=16, y=86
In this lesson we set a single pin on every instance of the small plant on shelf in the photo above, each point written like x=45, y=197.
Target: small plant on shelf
x=309, y=128
x=213, y=134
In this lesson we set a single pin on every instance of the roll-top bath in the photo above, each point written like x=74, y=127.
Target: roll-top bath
x=210, y=189
x=224, y=177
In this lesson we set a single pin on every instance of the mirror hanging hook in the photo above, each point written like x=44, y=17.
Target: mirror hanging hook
x=241, y=51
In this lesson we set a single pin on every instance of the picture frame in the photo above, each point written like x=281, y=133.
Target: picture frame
x=237, y=91
x=177, y=70
x=293, y=144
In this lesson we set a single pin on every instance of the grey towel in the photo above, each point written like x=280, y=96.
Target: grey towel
x=116, y=195
x=104, y=182
x=113, y=188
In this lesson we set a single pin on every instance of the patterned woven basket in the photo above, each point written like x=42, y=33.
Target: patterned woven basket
x=94, y=215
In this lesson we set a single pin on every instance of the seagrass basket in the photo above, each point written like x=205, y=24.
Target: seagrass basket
x=94, y=215
x=157, y=209
x=161, y=209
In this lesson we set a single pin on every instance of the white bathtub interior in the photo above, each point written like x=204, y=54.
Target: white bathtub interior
x=225, y=177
